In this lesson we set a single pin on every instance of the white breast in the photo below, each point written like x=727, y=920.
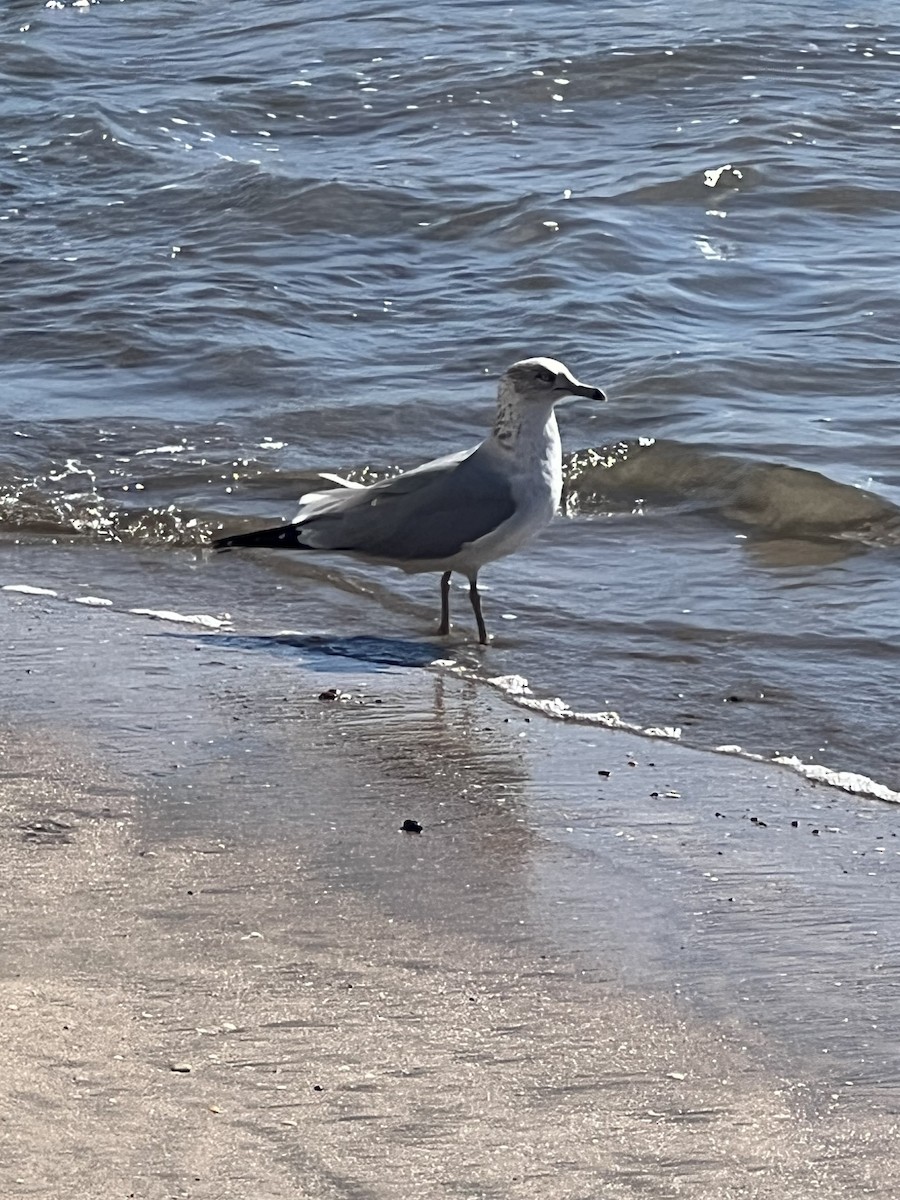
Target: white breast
x=533, y=463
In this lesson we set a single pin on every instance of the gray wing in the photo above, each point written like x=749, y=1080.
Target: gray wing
x=431, y=512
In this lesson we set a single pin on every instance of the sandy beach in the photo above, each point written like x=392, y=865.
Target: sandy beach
x=300, y=900
x=606, y=966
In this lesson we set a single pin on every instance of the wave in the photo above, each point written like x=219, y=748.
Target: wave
x=102, y=498
x=767, y=497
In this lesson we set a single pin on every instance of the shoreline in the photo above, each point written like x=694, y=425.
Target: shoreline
x=570, y=981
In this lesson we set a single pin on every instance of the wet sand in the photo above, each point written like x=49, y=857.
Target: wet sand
x=570, y=984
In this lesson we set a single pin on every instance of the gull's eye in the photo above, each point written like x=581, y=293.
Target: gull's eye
x=545, y=376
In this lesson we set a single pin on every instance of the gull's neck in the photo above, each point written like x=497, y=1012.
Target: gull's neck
x=522, y=426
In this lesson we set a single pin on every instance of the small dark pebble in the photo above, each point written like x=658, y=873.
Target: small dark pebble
x=815, y=833
x=733, y=699
x=795, y=824
x=317, y=1087
x=410, y=826
x=654, y=795
x=605, y=774
x=330, y=694
x=718, y=814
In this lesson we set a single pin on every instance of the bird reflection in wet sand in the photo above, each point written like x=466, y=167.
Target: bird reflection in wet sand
x=455, y=513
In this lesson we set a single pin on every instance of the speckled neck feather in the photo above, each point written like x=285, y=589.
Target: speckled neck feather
x=508, y=419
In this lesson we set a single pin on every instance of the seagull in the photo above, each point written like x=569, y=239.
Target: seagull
x=455, y=513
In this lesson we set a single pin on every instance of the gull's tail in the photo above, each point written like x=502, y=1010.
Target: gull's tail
x=283, y=537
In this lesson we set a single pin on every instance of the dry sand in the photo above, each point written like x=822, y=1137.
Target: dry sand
x=201, y=867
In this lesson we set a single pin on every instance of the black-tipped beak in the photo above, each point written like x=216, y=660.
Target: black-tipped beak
x=574, y=388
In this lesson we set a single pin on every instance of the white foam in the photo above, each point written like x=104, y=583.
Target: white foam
x=92, y=601
x=664, y=731
x=162, y=614
x=27, y=590
x=516, y=687
x=847, y=781
x=513, y=685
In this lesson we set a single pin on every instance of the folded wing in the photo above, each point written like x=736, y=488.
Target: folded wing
x=428, y=513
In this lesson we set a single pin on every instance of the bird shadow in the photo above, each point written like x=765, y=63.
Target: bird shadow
x=374, y=653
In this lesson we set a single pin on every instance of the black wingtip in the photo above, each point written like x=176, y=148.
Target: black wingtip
x=279, y=537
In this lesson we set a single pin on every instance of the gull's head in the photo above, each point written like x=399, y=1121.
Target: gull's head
x=544, y=381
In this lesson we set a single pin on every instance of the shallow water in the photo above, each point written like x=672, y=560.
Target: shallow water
x=241, y=246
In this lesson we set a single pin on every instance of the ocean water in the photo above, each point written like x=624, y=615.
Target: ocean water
x=243, y=244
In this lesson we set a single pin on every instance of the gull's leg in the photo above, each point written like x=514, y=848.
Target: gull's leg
x=444, y=627
x=476, y=608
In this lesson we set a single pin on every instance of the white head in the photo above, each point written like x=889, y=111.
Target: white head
x=545, y=380
x=529, y=389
